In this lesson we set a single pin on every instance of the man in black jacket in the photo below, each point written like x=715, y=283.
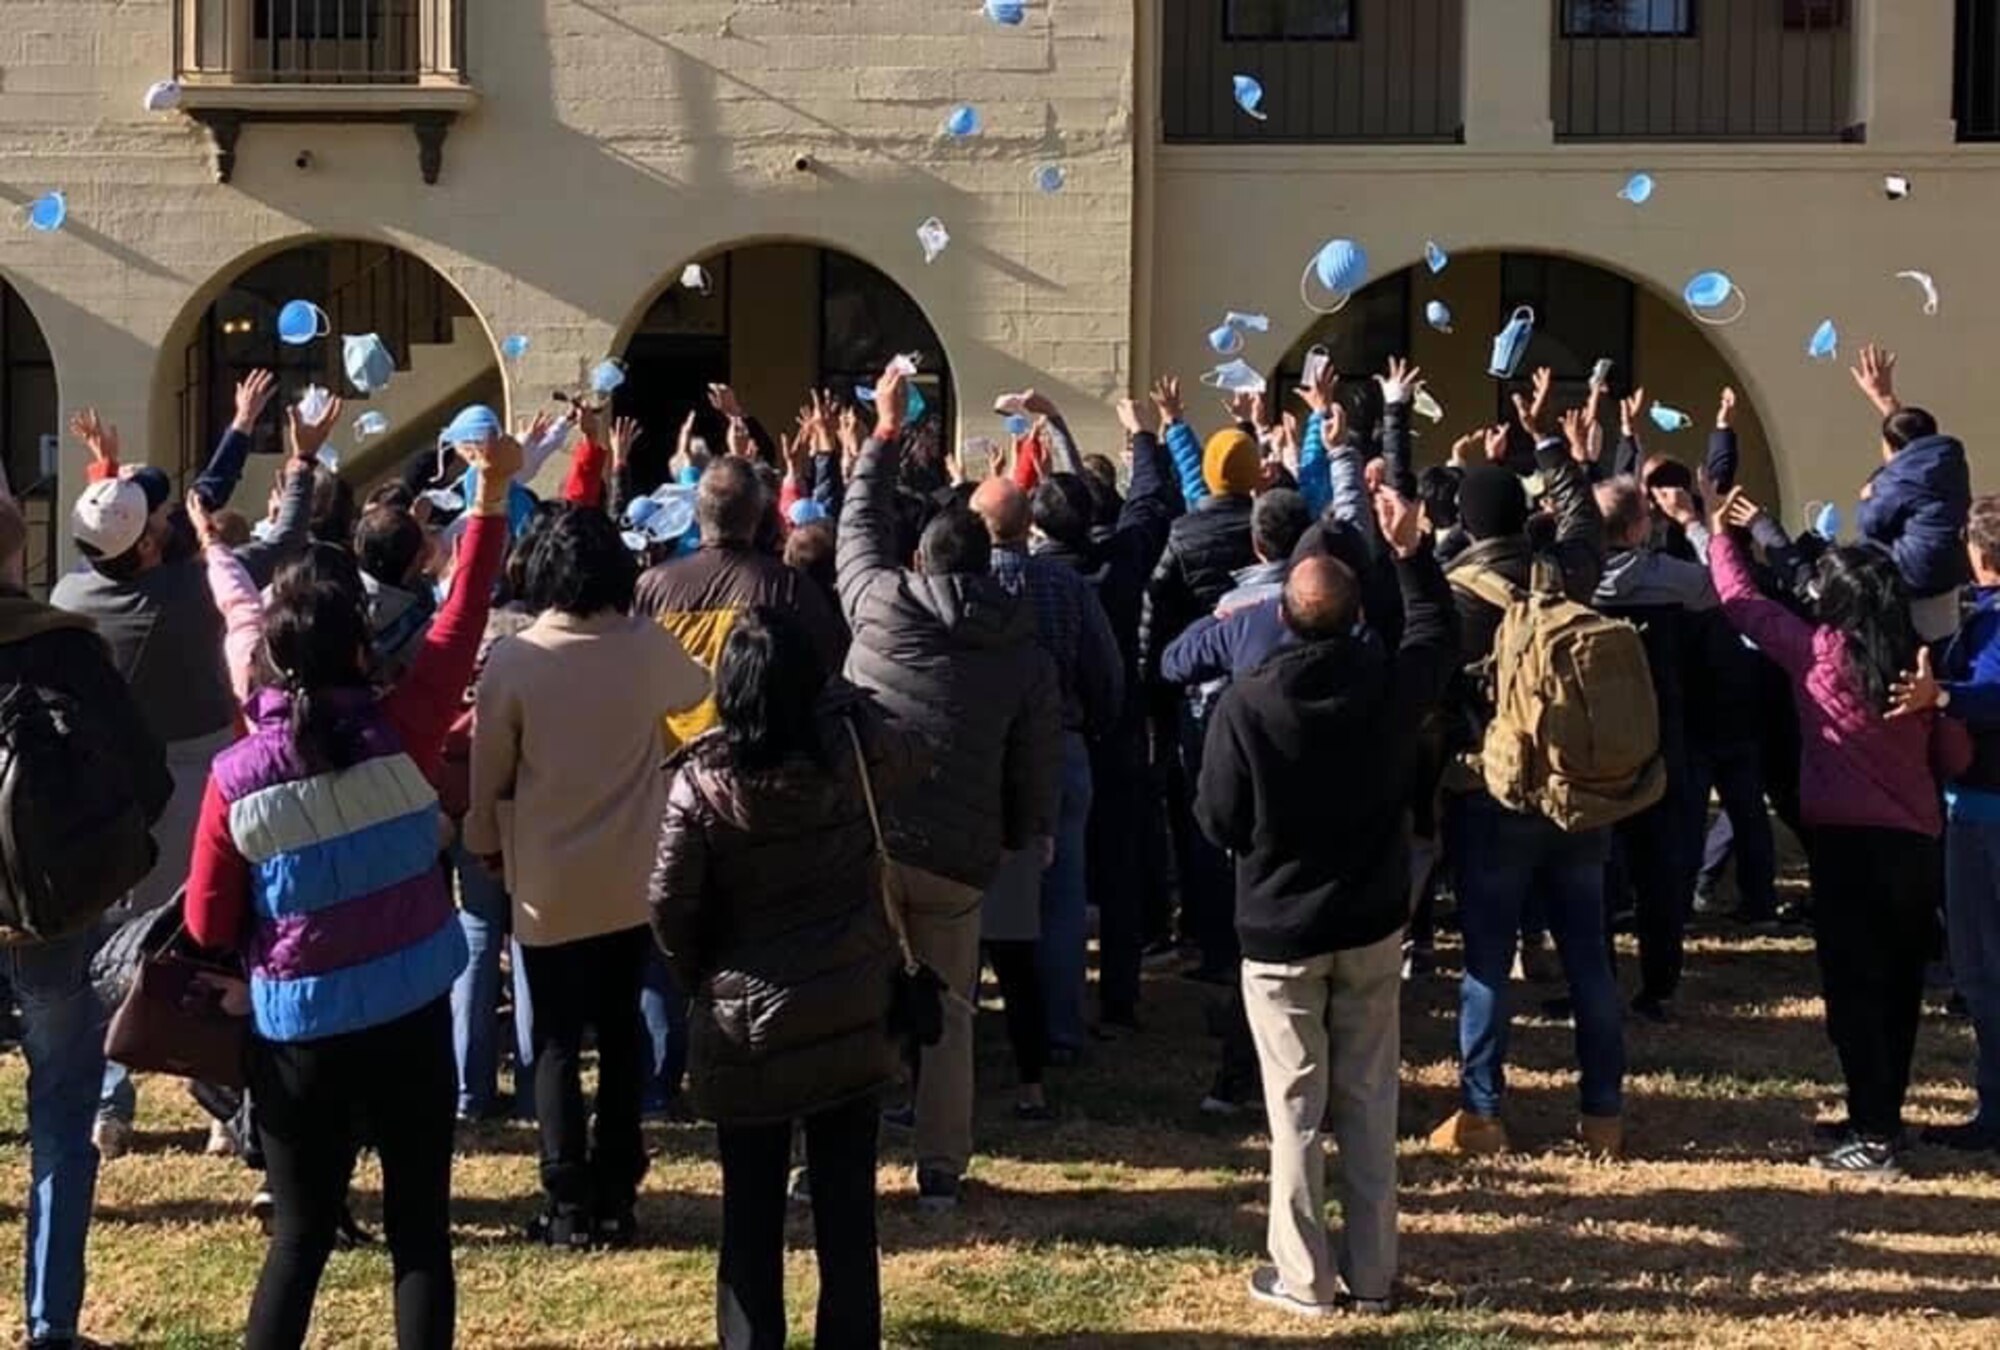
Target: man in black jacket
x=1322, y=894
x=948, y=653
x=62, y=1020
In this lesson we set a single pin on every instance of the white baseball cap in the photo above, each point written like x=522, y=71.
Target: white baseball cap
x=109, y=518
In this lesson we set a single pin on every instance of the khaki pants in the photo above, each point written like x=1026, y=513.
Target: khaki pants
x=1330, y=1027
x=943, y=921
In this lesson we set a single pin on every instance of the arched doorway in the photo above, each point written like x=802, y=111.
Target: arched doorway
x=30, y=431
x=773, y=320
x=443, y=355
x=1584, y=313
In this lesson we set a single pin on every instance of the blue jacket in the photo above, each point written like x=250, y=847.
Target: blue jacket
x=1970, y=670
x=1214, y=649
x=1917, y=508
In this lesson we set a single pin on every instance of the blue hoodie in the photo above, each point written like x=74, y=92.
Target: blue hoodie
x=1916, y=509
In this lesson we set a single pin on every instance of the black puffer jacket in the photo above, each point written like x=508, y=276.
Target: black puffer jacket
x=767, y=903
x=954, y=659
x=1205, y=549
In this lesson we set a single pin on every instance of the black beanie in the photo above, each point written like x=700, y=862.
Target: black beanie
x=1492, y=504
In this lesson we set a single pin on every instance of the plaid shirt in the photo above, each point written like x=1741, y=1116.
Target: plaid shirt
x=1058, y=593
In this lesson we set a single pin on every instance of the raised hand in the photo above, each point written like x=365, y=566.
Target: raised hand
x=497, y=461
x=1318, y=394
x=1466, y=447
x=1742, y=513
x=99, y=437
x=1401, y=520
x=253, y=392
x=1402, y=382
x=1494, y=443
x=1167, y=399
x=1333, y=426
x=1875, y=375
x=1241, y=407
x=625, y=434
x=1630, y=409
x=1676, y=504
x=1532, y=410
x=1725, y=409
x=890, y=401
x=1576, y=430
x=1128, y=416
x=722, y=398
x=205, y=532
x=307, y=439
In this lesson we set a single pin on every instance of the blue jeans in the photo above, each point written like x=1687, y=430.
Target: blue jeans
x=1505, y=858
x=62, y=1036
x=664, y=1047
x=1064, y=952
x=484, y=914
x=1972, y=936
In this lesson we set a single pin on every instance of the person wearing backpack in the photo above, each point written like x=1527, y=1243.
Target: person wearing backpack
x=82, y=796
x=1530, y=837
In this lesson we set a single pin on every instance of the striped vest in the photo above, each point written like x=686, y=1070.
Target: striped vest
x=354, y=924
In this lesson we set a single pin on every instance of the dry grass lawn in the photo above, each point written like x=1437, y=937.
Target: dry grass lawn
x=1133, y=1221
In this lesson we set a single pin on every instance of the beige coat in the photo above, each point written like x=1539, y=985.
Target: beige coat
x=566, y=768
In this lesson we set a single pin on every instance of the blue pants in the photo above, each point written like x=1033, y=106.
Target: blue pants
x=1064, y=953
x=62, y=1037
x=484, y=914
x=664, y=1047
x=1505, y=857
x=1972, y=929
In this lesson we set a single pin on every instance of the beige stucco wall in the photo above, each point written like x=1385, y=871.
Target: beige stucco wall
x=1804, y=229
x=615, y=139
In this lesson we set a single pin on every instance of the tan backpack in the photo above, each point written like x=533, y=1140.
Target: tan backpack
x=1575, y=734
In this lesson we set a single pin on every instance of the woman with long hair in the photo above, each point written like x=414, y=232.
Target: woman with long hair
x=316, y=857
x=1869, y=801
x=767, y=901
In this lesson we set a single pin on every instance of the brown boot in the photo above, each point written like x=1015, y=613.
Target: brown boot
x=1603, y=1136
x=1470, y=1134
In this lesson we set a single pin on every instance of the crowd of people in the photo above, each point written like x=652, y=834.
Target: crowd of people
x=738, y=768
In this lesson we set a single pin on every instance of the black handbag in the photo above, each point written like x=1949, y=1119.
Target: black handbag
x=917, y=993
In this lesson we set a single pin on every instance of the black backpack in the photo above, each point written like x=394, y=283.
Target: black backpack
x=73, y=834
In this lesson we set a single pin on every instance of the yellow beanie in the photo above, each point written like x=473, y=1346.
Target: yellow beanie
x=1230, y=464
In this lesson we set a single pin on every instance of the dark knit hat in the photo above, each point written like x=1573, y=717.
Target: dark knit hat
x=1492, y=503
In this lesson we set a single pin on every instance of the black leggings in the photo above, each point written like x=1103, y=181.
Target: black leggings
x=1874, y=926
x=1027, y=1018
x=399, y=1076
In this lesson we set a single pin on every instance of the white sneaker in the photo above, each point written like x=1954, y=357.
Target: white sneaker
x=112, y=1137
x=1268, y=1287
x=221, y=1143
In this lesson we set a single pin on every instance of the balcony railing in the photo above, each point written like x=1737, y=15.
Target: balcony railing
x=1975, y=91
x=1703, y=70
x=1332, y=70
x=321, y=42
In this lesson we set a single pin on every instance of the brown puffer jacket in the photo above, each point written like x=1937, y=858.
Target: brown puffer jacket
x=766, y=901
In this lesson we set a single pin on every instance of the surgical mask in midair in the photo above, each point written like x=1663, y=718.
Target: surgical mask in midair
x=1510, y=344
x=369, y=364
x=1234, y=377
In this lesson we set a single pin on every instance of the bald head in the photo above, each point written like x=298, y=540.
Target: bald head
x=1623, y=506
x=1004, y=508
x=1322, y=599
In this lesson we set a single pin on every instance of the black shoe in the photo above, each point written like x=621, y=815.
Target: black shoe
x=937, y=1191
x=1969, y=1136
x=1841, y=1130
x=1653, y=1009
x=616, y=1229
x=566, y=1227
x=1862, y=1159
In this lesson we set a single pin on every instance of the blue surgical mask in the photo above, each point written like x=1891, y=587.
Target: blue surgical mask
x=1670, y=419
x=369, y=365
x=606, y=376
x=1234, y=377
x=1510, y=344
x=1225, y=341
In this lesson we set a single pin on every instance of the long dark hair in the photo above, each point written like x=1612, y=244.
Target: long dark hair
x=1861, y=595
x=767, y=689
x=316, y=644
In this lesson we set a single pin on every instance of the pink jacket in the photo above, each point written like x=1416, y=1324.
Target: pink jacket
x=242, y=615
x=1856, y=766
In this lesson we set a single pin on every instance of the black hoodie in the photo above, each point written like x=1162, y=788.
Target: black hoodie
x=1308, y=773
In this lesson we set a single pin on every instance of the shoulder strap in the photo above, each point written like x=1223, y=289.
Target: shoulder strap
x=1486, y=584
x=881, y=849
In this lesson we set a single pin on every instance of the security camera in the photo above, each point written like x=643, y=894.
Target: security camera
x=304, y=161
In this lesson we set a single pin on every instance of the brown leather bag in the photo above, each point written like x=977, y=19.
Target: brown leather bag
x=172, y=1020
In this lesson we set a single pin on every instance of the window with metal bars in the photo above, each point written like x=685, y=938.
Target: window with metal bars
x=1628, y=18
x=1260, y=19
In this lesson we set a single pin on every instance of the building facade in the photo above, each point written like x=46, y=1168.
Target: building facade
x=455, y=173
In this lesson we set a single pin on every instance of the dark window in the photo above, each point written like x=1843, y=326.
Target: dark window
x=28, y=410
x=1254, y=19
x=1815, y=15
x=1628, y=18
x=1582, y=313
x=316, y=19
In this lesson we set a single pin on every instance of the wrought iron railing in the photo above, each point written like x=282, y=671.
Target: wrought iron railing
x=336, y=42
x=1704, y=70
